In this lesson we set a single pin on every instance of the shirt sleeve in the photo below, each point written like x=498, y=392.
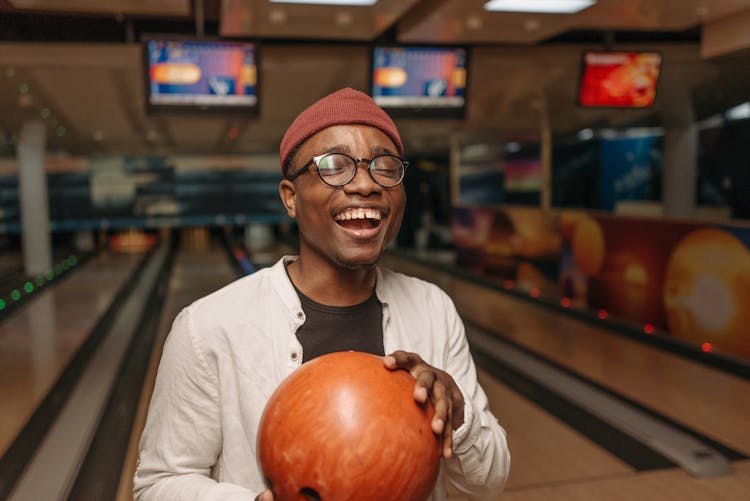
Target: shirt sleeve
x=182, y=438
x=480, y=463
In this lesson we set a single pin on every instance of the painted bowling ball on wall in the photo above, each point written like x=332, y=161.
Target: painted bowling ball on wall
x=707, y=290
x=589, y=246
x=343, y=427
x=568, y=221
x=536, y=233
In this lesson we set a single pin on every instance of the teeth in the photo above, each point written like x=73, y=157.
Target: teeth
x=359, y=214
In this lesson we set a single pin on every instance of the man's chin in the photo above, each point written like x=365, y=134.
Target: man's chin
x=357, y=265
x=353, y=262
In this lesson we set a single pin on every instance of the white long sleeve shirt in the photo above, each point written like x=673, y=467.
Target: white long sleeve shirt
x=227, y=352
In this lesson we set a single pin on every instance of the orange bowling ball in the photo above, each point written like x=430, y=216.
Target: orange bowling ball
x=343, y=427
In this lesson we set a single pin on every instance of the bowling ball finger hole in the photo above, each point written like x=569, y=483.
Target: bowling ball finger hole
x=310, y=493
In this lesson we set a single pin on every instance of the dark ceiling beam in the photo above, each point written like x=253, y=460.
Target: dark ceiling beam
x=416, y=15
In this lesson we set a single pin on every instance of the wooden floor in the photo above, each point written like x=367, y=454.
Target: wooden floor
x=199, y=269
x=657, y=485
x=550, y=460
x=38, y=340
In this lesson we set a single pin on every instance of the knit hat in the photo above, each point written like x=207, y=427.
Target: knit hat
x=343, y=107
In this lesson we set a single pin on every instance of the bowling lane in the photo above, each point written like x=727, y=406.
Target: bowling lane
x=201, y=267
x=656, y=485
x=705, y=399
x=39, y=339
x=551, y=461
x=544, y=450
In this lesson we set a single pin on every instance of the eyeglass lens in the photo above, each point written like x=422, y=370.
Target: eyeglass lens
x=337, y=169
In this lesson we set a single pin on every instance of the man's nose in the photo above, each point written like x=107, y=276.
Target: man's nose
x=362, y=182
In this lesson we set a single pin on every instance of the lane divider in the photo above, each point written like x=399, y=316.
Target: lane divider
x=17, y=294
x=692, y=454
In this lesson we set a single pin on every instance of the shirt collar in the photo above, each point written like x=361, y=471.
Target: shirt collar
x=381, y=289
x=283, y=285
x=285, y=288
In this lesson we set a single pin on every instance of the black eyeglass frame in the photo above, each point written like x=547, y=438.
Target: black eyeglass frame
x=369, y=161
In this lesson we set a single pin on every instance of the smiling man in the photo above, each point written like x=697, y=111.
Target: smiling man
x=343, y=173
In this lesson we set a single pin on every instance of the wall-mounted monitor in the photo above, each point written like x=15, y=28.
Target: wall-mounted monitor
x=201, y=75
x=619, y=79
x=420, y=81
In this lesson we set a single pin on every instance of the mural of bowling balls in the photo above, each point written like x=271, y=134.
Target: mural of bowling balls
x=588, y=246
x=536, y=234
x=707, y=290
x=568, y=221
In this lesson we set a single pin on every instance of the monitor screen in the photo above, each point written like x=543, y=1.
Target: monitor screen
x=420, y=81
x=200, y=74
x=619, y=79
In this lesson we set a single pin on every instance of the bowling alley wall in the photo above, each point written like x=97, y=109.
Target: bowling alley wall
x=684, y=279
x=122, y=191
x=605, y=250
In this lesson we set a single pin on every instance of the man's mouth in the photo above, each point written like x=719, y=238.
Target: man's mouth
x=359, y=218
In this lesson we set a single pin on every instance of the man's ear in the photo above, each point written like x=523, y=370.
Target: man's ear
x=288, y=193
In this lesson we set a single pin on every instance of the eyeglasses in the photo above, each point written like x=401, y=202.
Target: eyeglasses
x=338, y=169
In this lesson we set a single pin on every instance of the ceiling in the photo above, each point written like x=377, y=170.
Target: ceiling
x=77, y=65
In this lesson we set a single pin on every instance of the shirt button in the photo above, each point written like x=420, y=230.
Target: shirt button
x=300, y=315
x=295, y=356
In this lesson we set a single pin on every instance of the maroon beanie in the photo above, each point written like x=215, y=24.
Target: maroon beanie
x=344, y=107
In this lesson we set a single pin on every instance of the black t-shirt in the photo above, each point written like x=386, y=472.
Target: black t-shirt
x=340, y=328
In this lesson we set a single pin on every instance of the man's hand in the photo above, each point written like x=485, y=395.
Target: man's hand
x=437, y=386
x=264, y=496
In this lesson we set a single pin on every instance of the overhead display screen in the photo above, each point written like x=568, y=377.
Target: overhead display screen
x=619, y=79
x=203, y=74
x=414, y=80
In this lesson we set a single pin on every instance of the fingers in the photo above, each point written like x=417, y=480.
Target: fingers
x=403, y=360
x=426, y=379
x=457, y=409
x=442, y=420
x=264, y=496
x=442, y=407
x=437, y=386
x=417, y=367
x=448, y=429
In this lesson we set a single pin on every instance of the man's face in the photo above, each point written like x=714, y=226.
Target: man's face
x=347, y=226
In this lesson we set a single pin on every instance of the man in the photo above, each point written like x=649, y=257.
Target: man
x=227, y=352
